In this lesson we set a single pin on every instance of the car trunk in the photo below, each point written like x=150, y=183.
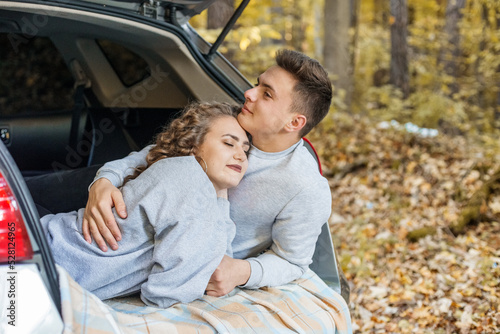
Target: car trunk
x=174, y=72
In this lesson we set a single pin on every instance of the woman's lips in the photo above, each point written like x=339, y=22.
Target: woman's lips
x=236, y=168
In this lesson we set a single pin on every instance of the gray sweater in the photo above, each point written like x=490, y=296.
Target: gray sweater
x=174, y=237
x=279, y=208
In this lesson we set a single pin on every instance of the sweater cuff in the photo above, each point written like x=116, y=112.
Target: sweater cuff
x=256, y=274
x=111, y=176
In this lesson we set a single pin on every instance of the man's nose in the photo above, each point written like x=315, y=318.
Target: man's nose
x=250, y=94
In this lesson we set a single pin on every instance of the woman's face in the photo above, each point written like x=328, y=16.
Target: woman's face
x=225, y=152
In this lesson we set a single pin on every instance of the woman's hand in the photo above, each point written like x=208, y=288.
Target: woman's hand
x=98, y=218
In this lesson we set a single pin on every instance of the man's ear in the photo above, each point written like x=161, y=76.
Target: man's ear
x=296, y=123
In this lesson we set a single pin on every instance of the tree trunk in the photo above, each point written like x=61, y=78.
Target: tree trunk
x=297, y=27
x=336, y=51
x=278, y=21
x=399, y=46
x=450, y=52
x=381, y=9
x=354, y=25
x=319, y=15
x=219, y=13
x=480, y=96
x=497, y=109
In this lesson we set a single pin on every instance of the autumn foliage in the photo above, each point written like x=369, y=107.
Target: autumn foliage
x=387, y=183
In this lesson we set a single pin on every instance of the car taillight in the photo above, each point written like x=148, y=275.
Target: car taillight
x=15, y=245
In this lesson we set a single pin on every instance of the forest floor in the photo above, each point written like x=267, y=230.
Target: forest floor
x=387, y=182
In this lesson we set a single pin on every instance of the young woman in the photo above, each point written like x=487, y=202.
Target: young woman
x=178, y=228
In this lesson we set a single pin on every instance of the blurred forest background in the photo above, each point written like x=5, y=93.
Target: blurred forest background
x=410, y=148
x=433, y=62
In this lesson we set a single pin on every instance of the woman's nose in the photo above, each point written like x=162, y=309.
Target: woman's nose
x=240, y=155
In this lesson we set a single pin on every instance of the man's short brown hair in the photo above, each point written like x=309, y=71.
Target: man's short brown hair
x=313, y=92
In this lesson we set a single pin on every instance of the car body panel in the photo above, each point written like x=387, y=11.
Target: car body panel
x=42, y=254
x=26, y=298
x=36, y=293
x=185, y=8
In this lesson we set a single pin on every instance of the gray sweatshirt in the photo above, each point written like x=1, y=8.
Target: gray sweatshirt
x=279, y=208
x=174, y=237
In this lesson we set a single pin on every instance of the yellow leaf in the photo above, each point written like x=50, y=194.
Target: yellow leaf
x=394, y=298
x=425, y=187
x=274, y=34
x=405, y=279
x=408, y=295
x=244, y=43
x=402, y=233
x=255, y=35
x=420, y=312
x=411, y=166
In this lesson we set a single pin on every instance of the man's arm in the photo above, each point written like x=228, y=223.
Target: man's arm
x=98, y=220
x=294, y=234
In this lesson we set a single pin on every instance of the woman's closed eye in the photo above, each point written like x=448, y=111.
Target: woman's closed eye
x=247, y=152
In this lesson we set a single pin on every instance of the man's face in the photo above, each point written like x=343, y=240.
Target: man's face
x=267, y=105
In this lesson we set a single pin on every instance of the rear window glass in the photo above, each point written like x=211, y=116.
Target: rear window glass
x=129, y=66
x=33, y=76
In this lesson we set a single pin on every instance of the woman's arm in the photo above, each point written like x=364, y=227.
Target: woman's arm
x=192, y=232
x=184, y=259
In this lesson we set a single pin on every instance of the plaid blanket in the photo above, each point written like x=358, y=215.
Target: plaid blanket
x=306, y=305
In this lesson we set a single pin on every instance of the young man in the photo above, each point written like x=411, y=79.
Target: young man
x=281, y=203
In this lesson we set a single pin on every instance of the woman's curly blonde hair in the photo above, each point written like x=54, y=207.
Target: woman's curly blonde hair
x=186, y=133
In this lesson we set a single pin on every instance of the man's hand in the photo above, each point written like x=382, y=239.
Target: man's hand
x=229, y=274
x=98, y=218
